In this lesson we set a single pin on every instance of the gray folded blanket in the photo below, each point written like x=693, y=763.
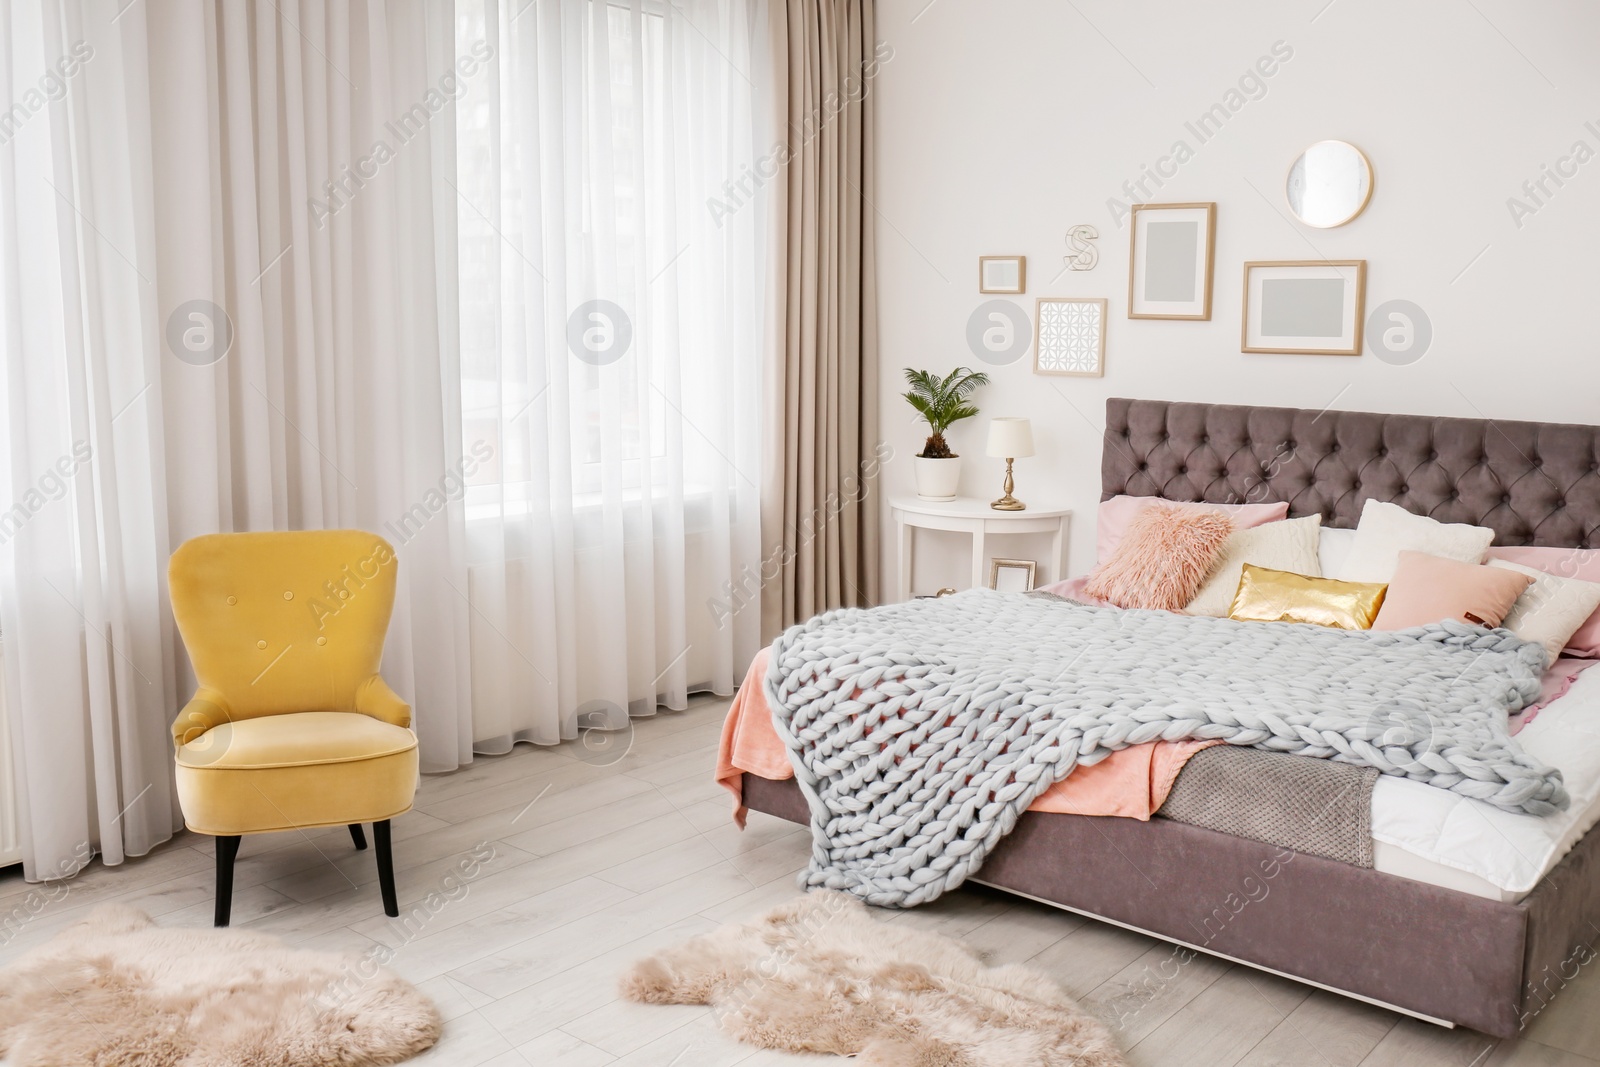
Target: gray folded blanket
x=1315, y=806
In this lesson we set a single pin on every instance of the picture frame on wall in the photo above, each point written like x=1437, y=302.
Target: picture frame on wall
x=1170, y=262
x=1012, y=575
x=1311, y=307
x=1003, y=274
x=1070, y=336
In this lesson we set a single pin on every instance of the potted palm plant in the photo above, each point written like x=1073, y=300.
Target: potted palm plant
x=941, y=402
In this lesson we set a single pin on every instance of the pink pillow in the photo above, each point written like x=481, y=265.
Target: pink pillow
x=1111, y=523
x=1162, y=560
x=1428, y=589
x=1580, y=563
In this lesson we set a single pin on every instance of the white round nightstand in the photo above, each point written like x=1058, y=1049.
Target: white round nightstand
x=973, y=516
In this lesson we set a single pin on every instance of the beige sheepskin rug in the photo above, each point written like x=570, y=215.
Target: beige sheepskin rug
x=115, y=989
x=821, y=975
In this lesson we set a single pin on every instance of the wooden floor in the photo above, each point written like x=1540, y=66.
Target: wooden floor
x=599, y=858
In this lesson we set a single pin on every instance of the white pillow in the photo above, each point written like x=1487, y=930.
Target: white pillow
x=1551, y=609
x=1333, y=545
x=1285, y=545
x=1386, y=530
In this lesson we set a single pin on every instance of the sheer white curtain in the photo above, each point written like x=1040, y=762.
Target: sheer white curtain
x=611, y=225
x=302, y=160
x=88, y=640
x=227, y=291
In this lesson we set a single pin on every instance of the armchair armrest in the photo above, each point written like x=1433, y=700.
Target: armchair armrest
x=205, y=710
x=375, y=698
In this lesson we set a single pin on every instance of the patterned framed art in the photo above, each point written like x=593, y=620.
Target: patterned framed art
x=1070, y=336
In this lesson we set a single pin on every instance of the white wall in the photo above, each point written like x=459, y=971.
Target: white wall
x=1003, y=123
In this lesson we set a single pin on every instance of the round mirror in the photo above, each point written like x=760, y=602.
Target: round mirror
x=1329, y=184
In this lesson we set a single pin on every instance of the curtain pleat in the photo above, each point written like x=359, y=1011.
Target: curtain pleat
x=84, y=627
x=822, y=452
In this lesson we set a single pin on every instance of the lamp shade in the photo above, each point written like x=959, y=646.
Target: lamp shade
x=1010, y=438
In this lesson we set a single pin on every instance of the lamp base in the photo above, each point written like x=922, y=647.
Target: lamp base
x=1008, y=502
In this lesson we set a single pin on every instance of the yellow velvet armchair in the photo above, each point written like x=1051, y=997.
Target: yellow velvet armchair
x=292, y=726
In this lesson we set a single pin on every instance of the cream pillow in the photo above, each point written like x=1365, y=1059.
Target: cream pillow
x=1551, y=609
x=1285, y=545
x=1333, y=545
x=1386, y=530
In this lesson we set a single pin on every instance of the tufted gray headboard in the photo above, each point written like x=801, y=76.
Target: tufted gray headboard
x=1533, y=483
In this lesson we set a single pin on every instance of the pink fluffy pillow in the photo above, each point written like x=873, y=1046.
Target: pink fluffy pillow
x=1114, y=515
x=1162, y=560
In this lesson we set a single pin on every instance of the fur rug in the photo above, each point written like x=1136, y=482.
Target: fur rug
x=115, y=989
x=821, y=975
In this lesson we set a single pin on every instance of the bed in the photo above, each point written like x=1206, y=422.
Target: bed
x=1439, y=928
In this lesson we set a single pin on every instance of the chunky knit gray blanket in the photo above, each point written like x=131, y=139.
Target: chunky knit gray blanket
x=919, y=732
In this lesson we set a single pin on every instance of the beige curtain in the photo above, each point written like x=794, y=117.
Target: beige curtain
x=819, y=516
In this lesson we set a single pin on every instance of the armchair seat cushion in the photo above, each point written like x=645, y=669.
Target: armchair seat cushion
x=296, y=770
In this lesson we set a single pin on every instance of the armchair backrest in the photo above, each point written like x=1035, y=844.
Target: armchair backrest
x=284, y=622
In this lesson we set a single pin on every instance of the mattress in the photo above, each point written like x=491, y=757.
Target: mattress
x=1442, y=838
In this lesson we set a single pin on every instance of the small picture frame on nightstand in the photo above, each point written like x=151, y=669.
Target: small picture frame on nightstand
x=1011, y=575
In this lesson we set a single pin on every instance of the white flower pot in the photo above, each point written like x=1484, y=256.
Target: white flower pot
x=937, y=479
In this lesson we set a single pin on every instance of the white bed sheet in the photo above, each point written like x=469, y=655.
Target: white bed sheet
x=1435, y=836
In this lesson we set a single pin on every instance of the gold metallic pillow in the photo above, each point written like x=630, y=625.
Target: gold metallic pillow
x=1267, y=595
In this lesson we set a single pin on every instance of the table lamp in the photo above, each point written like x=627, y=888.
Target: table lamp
x=1009, y=439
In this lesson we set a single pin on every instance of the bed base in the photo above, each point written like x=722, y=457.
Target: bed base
x=1436, y=954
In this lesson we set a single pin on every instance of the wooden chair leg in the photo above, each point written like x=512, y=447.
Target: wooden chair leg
x=359, y=836
x=227, y=850
x=380, y=834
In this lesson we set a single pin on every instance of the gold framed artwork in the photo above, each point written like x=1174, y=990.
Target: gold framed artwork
x=1170, y=261
x=1311, y=307
x=1070, y=336
x=1011, y=575
x=1002, y=274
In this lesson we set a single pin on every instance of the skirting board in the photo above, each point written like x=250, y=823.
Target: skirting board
x=1433, y=953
